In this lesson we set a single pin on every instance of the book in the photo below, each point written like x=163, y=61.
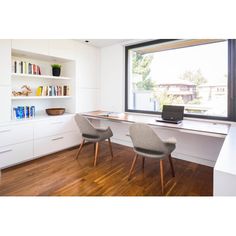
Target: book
x=30, y=68
x=25, y=69
x=21, y=67
x=39, y=91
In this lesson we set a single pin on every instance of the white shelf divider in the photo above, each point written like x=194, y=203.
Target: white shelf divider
x=19, y=75
x=38, y=97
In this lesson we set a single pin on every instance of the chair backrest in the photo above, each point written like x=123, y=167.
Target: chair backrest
x=85, y=125
x=143, y=136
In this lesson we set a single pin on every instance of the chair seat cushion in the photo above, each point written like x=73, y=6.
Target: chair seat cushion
x=89, y=136
x=101, y=134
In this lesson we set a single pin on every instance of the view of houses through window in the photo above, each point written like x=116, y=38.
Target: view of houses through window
x=193, y=76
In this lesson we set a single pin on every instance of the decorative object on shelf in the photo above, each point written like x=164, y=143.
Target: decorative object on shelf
x=55, y=111
x=22, y=112
x=56, y=69
x=26, y=90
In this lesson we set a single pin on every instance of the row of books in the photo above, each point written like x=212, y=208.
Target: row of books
x=24, y=67
x=53, y=91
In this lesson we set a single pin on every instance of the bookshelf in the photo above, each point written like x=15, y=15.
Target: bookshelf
x=44, y=79
x=39, y=97
x=27, y=76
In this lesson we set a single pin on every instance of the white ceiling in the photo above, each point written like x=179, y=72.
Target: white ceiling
x=102, y=42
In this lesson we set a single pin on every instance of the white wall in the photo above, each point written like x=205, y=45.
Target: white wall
x=112, y=78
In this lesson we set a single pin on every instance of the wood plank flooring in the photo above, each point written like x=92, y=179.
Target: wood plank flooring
x=60, y=174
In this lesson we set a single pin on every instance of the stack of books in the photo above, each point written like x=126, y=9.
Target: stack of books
x=24, y=67
x=53, y=91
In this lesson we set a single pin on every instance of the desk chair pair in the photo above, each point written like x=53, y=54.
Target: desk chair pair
x=146, y=143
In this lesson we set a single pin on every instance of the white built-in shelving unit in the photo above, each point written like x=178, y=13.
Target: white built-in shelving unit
x=45, y=79
x=29, y=76
x=38, y=97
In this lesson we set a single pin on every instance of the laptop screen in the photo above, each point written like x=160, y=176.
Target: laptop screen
x=172, y=112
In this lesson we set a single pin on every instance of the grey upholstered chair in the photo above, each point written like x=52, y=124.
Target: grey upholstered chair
x=147, y=144
x=92, y=134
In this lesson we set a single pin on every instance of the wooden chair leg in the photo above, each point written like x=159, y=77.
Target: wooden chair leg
x=94, y=148
x=161, y=175
x=171, y=165
x=96, y=154
x=80, y=148
x=143, y=162
x=132, y=166
x=109, y=141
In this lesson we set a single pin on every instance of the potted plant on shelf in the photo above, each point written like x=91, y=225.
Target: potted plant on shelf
x=56, y=69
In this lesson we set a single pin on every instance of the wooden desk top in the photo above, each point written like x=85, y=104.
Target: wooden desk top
x=187, y=124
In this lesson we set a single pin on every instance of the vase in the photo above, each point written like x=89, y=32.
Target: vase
x=56, y=71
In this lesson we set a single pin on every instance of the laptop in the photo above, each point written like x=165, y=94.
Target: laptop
x=172, y=114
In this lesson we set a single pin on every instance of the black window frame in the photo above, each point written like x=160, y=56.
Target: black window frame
x=231, y=116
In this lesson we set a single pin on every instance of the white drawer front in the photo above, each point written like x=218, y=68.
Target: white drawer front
x=15, y=134
x=56, y=143
x=13, y=154
x=54, y=127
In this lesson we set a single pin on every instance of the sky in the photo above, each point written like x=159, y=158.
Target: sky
x=211, y=59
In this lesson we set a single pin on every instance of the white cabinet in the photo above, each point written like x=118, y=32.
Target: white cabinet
x=39, y=46
x=16, y=144
x=5, y=62
x=55, y=143
x=88, y=66
x=54, y=127
x=54, y=135
x=20, y=142
x=13, y=134
x=62, y=48
x=5, y=98
x=17, y=153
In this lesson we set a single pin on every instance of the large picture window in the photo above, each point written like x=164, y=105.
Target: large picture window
x=192, y=73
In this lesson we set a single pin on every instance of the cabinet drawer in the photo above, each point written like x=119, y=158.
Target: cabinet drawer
x=17, y=153
x=54, y=127
x=15, y=134
x=56, y=143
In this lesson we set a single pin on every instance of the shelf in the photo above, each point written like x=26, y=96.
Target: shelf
x=39, y=97
x=17, y=75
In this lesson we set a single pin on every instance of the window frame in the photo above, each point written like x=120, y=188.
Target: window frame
x=231, y=102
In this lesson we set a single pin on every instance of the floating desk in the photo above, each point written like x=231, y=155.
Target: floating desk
x=205, y=142
x=192, y=126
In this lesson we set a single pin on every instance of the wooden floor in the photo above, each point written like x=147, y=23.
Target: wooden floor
x=60, y=174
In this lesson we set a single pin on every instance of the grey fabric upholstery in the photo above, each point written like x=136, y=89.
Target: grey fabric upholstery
x=147, y=143
x=89, y=132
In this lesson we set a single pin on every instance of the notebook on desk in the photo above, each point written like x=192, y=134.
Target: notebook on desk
x=172, y=114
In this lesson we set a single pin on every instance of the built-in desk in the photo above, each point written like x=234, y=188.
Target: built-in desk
x=208, y=128
x=205, y=142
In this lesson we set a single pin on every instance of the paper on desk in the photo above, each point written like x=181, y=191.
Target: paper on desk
x=111, y=114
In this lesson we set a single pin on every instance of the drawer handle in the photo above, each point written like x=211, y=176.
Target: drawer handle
x=5, y=131
x=4, y=151
x=54, y=139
